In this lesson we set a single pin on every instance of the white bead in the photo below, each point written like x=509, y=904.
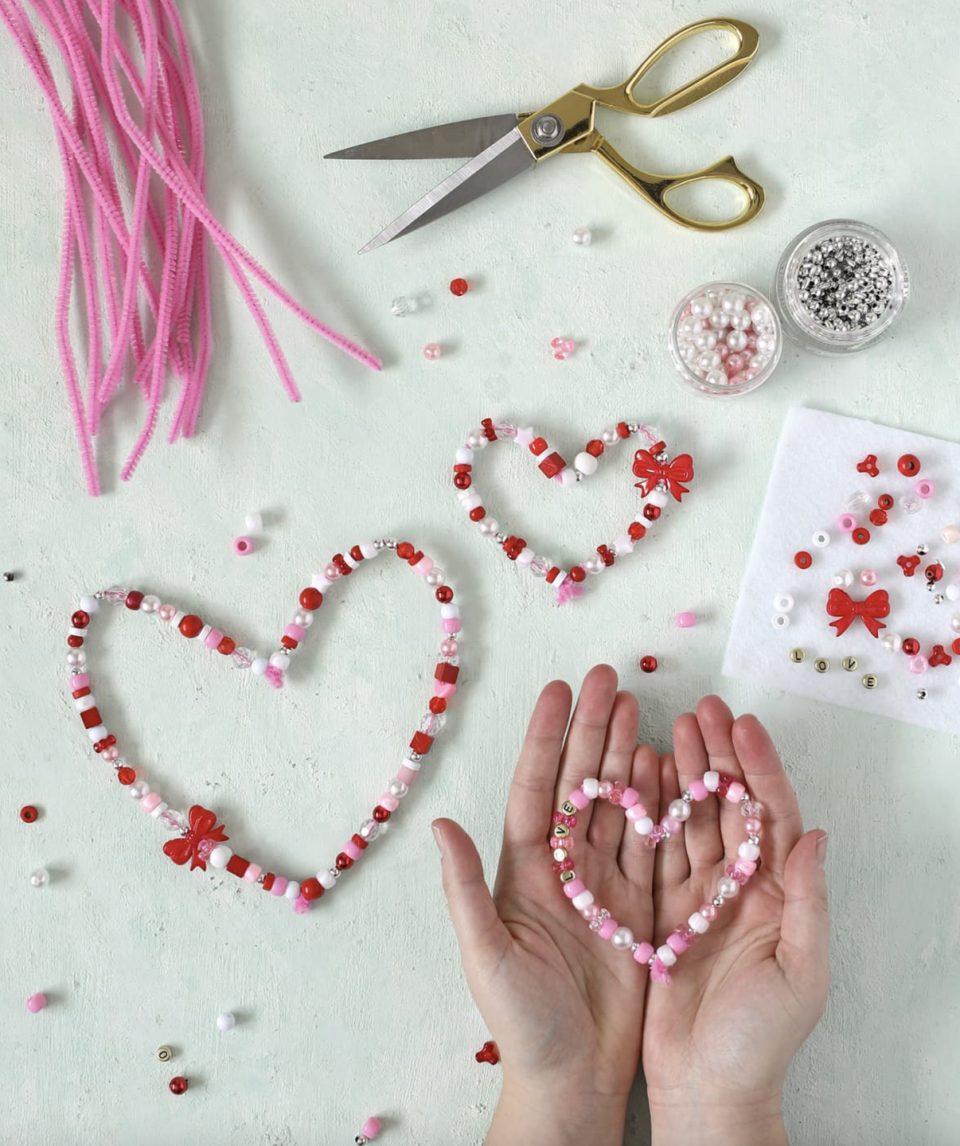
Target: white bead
x=253, y=522
x=591, y=788
x=643, y=826
x=204, y=632
x=303, y=618
x=525, y=557
x=843, y=579
x=621, y=939
x=90, y=605
x=716, y=378
x=748, y=851
x=736, y=341
x=76, y=658
x=489, y=527
x=77, y=632
x=623, y=544
x=567, y=477
x=409, y=762
x=280, y=661
x=138, y=789
x=293, y=889
x=679, y=809
x=666, y=955
x=369, y=550
x=350, y=560
x=177, y=618
x=728, y=888
x=593, y=565
x=472, y=501
x=780, y=621
x=711, y=781
x=464, y=456
x=658, y=498
x=697, y=923
x=449, y=610
x=582, y=237
x=97, y=733
x=891, y=642
x=953, y=592
x=584, y=899
x=783, y=602
x=950, y=534
x=585, y=463
x=525, y=436
x=326, y=879
x=610, y=437
x=821, y=539
x=476, y=440
x=159, y=810
x=220, y=856
x=320, y=581
x=85, y=702
x=259, y=666
x=435, y=577
x=226, y=1021
x=702, y=306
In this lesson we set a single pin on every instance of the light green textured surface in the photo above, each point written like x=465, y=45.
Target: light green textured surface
x=850, y=109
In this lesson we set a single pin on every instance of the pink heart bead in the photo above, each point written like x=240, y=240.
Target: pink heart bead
x=442, y=689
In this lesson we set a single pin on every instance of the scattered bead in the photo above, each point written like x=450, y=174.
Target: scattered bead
x=178, y=1085
x=648, y=664
x=226, y=1021
x=870, y=680
x=909, y=564
x=846, y=523
x=857, y=500
x=950, y=534
x=869, y=466
x=860, y=535
x=459, y=287
x=868, y=577
x=489, y=1053
x=910, y=503
x=29, y=814
x=686, y=620
x=164, y=1053
x=921, y=694
x=562, y=348
x=842, y=579
x=582, y=237
x=402, y=306
x=923, y=549
x=885, y=501
x=370, y=1129
x=780, y=621
x=910, y=646
x=783, y=602
x=36, y=1002
x=821, y=539
x=242, y=546
x=432, y=351
x=797, y=656
x=908, y=465
x=924, y=489
x=802, y=560
x=8, y=576
x=40, y=877
x=850, y=664
x=821, y=664
x=253, y=522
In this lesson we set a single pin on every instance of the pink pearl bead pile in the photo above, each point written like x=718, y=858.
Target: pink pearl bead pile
x=738, y=873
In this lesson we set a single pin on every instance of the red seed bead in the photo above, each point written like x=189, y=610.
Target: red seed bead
x=80, y=619
x=380, y=814
x=405, y=550
x=311, y=599
x=878, y=517
x=459, y=287
x=77, y=693
x=911, y=646
x=358, y=841
x=802, y=560
x=908, y=465
x=356, y=553
x=553, y=574
x=885, y=501
x=74, y=642
x=462, y=468
x=311, y=888
x=478, y=513
x=444, y=594
x=651, y=512
x=421, y=743
x=178, y=1085
x=624, y=431
x=415, y=558
x=577, y=574
x=28, y=813
x=462, y=481
x=134, y=597
x=934, y=573
x=595, y=447
x=126, y=775
x=226, y=646
x=344, y=862
x=488, y=431
x=648, y=664
x=538, y=445
x=288, y=642
x=437, y=705
x=637, y=530
x=860, y=535
x=191, y=625
x=268, y=881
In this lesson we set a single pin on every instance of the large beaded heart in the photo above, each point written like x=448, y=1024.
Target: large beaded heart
x=737, y=874
x=196, y=839
x=660, y=479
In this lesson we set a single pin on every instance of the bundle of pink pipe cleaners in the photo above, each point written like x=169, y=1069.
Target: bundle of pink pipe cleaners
x=145, y=266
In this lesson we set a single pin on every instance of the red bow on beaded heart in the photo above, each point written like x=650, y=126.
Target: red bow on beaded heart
x=646, y=466
x=842, y=606
x=199, y=841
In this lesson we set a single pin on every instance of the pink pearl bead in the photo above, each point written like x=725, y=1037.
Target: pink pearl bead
x=751, y=342
x=591, y=912
x=708, y=911
x=167, y=612
x=734, y=363
x=432, y=351
x=110, y=754
x=449, y=647
x=36, y=1002
x=686, y=620
x=604, y=788
x=331, y=572
x=670, y=824
x=723, y=350
x=753, y=826
x=868, y=577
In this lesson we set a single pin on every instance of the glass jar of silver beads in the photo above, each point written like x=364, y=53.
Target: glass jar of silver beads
x=840, y=285
x=724, y=339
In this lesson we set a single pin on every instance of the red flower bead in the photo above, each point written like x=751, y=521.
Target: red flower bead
x=651, y=512
x=860, y=535
x=939, y=657
x=908, y=564
x=444, y=594
x=908, y=465
x=80, y=619
x=488, y=1053
x=311, y=599
x=595, y=447
x=478, y=513
x=868, y=465
x=437, y=705
x=577, y=574
x=28, y=813
x=126, y=775
x=74, y=642
x=134, y=597
x=648, y=664
x=404, y=550
x=878, y=517
x=226, y=646
x=459, y=287
x=311, y=888
x=637, y=530
x=911, y=646
x=885, y=501
x=344, y=862
x=191, y=625
x=802, y=560
x=381, y=815
x=178, y=1085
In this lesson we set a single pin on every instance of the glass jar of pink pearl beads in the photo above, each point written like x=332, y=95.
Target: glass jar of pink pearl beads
x=724, y=339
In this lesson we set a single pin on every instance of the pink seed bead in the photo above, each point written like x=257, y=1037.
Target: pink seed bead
x=407, y=775
x=748, y=867
x=675, y=943
x=644, y=953
x=167, y=612
x=847, y=522
x=253, y=873
x=371, y=1128
x=635, y=812
x=868, y=577
x=708, y=911
x=352, y=850
x=79, y=680
x=629, y=798
x=604, y=788
x=924, y=488
x=213, y=638
x=150, y=801
x=670, y=824
x=451, y=624
x=111, y=754
x=752, y=826
x=36, y=1002
x=607, y=928
x=918, y=664
x=423, y=566
x=391, y=803
x=735, y=791
x=295, y=632
x=431, y=352
x=699, y=790
x=686, y=620
x=578, y=799
x=449, y=647
x=279, y=885
x=242, y=546
x=573, y=888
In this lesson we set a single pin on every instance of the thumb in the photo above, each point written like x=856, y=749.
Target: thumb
x=480, y=931
x=804, y=950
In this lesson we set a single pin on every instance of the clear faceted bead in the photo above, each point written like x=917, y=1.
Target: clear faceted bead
x=751, y=808
x=116, y=595
x=172, y=820
x=432, y=722
x=910, y=503
x=242, y=658
x=369, y=829
x=402, y=306
x=859, y=499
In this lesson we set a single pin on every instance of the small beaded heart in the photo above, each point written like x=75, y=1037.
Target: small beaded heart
x=601, y=922
x=197, y=839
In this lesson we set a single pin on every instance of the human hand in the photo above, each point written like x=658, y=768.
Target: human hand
x=718, y=1040
x=564, y=1008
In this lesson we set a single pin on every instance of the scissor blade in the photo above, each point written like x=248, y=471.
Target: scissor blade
x=500, y=162
x=444, y=141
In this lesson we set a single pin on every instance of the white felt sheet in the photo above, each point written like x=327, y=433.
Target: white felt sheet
x=813, y=474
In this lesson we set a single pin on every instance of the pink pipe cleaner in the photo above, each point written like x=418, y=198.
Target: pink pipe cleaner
x=137, y=228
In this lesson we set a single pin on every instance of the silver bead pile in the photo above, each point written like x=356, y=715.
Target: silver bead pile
x=845, y=283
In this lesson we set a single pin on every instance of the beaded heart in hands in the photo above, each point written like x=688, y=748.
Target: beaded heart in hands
x=197, y=839
x=601, y=922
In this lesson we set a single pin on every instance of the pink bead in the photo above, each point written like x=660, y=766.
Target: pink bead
x=573, y=888
x=451, y=624
x=752, y=826
x=868, y=577
x=36, y=1002
x=751, y=342
x=918, y=664
x=676, y=943
x=432, y=351
x=407, y=775
x=253, y=873
x=352, y=850
x=301, y=905
x=167, y=612
x=748, y=867
x=607, y=928
x=391, y=803
x=735, y=791
x=443, y=689
x=699, y=790
x=686, y=620
x=371, y=1128
x=723, y=350
x=847, y=522
x=423, y=566
x=111, y=754
x=629, y=798
x=279, y=885
x=79, y=680
x=708, y=911
x=644, y=953
x=213, y=638
x=733, y=363
x=924, y=488
x=579, y=799
x=604, y=788
x=242, y=546
x=449, y=647
x=590, y=913
x=295, y=632
x=150, y=801
x=635, y=812
x=670, y=825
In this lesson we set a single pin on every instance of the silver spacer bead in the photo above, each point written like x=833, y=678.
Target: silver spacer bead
x=336, y=872
x=718, y=901
x=686, y=797
x=923, y=549
x=415, y=757
x=634, y=946
x=665, y=836
x=744, y=797
x=501, y=538
x=753, y=840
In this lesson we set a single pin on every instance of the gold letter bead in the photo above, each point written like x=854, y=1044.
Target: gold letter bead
x=560, y=831
x=568, y=809
x=850, y=664
x=568, y=875
x=164, y=1054
x=560, y=854
x=797, y=655
x=821, y=664
x=870, y=680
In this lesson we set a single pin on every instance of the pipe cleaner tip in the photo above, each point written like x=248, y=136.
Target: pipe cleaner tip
x=659, y=973
x=569, y=590
x=301, y=905
x=274, y=677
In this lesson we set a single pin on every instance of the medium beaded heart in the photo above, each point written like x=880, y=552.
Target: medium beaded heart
x=197, y=839
x=660, y=479
x=601, y=922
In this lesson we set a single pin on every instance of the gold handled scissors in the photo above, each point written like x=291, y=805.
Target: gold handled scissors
x=504, y=145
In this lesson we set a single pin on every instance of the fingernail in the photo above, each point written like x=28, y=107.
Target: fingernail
x=438, y=836
x=822, y=849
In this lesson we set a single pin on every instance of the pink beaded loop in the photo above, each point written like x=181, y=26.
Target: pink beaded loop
x=737, y=873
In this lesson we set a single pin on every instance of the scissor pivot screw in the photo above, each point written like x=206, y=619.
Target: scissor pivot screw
x=547, y=129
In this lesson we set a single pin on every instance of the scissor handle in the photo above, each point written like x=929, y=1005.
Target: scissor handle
x=620, y=97
x=655, y=188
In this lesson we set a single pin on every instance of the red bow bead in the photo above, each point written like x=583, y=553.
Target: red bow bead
x=488, y=1053
x=201, y=838
x=842, y=606
x=938, y=657
x=908, y=565
x=869, y=466
x=646, y=467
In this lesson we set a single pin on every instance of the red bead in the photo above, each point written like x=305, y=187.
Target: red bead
x=802, y=560
x=551, y=465
x=311, y=599
x=268, y=880
x=860, y=535
x=651, y=512
x=356, y=553
x=537, y=446
x=868, y=465
x=908, y=565
x=77, y=693
x=74, y=642
x=637, y=530
x=513, y=547
x=624, y=432
x=359, y=842
x=911, y=646
x=226, y=646
x=288, y=642
x=595, y=447
x=908, y=465
x=722, y=789
x=237, y=865
x=106, y=742
x=934, y=573
x=553, y=574
x=416, y=557
x=344, y=862
x=133, y=599
x=878, y=517
x=28, y=813
x=648, y=664
x=488, y=1053
x=191, y=625
x=381, y=815
x=488, y=431
x=80, y=619
x=404, y=550
x=437, y=705
x=444, y=594
x=459, y=287
x=341, y=563
x=462, y=481
x=939, y=657
x=178, y=1085
x=606, y=556
x=956, y=646
x=311, y=888
x=421, y=743
x=577, y=574
x=885, y=501
x=126, y=775
x=478, y=513
x=447, y=673
x=91, y=718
